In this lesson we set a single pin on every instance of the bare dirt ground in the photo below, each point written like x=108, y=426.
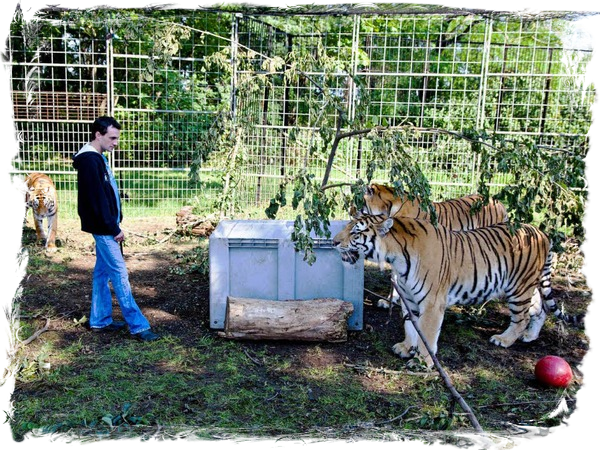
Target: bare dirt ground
x=176, y=301
x=173, y=303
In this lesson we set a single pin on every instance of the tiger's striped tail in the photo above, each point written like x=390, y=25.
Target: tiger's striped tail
x=549, y=303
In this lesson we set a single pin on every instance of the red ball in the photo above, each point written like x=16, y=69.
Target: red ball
x=553, y=371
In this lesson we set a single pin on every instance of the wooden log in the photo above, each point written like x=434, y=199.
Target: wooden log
x=321, y=319
x=189, y=223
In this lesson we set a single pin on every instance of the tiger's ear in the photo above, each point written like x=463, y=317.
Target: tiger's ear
x=355, y=213
x=369, y=191
x=385, y=227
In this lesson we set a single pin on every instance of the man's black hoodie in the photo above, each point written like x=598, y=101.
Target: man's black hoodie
x=96, y=201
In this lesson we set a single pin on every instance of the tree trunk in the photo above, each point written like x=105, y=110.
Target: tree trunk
x=321, y=319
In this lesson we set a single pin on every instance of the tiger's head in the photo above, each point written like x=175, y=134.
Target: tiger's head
x=382, y=200
x=40, y=197
x=359, y=235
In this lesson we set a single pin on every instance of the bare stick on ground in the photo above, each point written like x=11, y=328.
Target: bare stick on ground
x=463, y=404
x=31, y=338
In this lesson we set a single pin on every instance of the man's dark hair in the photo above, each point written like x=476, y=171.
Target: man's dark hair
x=101, y=125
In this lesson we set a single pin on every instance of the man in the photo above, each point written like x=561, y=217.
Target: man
x=99, y=208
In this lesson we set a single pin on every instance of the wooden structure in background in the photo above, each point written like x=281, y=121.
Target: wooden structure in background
x=32, y=105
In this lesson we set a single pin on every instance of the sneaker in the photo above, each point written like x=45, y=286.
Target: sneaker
x=146, y=336
x=115, y=326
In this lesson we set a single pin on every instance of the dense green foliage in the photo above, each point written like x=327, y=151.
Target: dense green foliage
x=520, y=142
x=278, y=104
x=549, y=187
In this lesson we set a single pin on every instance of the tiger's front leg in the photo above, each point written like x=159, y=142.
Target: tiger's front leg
x=392, y=298
x=429, y=320
x=408, y=347
x=430, y=325
x=52, y=227
x=519, y=320
x=39, y=228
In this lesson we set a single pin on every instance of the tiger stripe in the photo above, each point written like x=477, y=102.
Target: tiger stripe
x=41, y=197
x=436, y=267
x=455, y=214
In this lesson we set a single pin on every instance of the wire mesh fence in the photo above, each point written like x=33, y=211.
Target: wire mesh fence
x=513, y=76
x=167, y=81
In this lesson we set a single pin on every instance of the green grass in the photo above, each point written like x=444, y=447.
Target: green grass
x=213, y=385
x=148, y=193
x=219, y=387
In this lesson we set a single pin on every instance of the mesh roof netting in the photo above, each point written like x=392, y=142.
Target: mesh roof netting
x=560, y=8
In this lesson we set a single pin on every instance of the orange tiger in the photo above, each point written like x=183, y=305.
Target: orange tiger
x=436, y=267
x=454, y=214
x=41, y=198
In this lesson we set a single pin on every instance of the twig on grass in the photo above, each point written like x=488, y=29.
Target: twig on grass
x=135, y=234
x=25, y=316
x=365, y=368
x=539, y=402
x=34, y=336
x=397, y=417
x=272, y=397
x=251, y=358
x=170, y=234
x=376, y=294
x=463, y=404
x=160, y=428
x=368, y=425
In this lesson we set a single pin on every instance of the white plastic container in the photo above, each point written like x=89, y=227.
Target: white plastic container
x=257, y=259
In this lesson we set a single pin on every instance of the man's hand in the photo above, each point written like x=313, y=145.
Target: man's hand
x=120, y=237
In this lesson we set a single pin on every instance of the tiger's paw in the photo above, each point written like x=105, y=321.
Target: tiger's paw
x=404, y=350
x=530, y=336
x=502, y=341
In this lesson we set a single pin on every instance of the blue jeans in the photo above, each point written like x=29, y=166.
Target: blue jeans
x=110, y=266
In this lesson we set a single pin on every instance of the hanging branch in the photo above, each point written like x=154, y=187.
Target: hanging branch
x=336, y=141
x=438, y=366
x=333, y=151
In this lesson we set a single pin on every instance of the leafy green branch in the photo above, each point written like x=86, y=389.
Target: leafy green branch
x=545, y=184
x=319, y=201
x=548, y=185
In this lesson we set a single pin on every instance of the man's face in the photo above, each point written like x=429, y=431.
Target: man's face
x=108, y=141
